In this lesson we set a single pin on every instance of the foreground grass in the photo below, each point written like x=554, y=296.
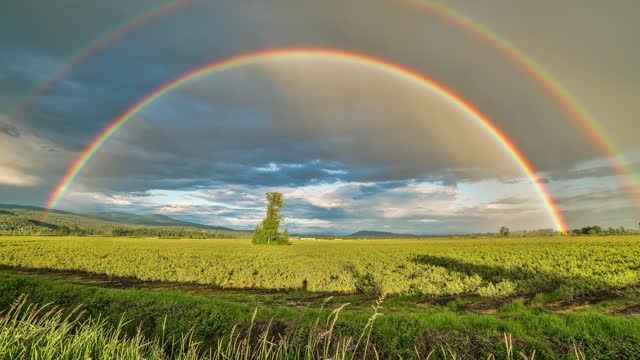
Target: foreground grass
x=45, y=332
x=209, y=322
x=29, y=331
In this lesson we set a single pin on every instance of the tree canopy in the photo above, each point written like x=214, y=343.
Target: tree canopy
x=267, y=231
x=504, y=231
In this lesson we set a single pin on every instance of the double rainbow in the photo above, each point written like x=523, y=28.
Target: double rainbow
x=543, y=77
x=101, y=42
x=579, y=113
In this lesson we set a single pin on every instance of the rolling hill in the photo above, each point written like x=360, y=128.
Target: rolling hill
x=27, y=220
x=370, y=234
x=152, y=219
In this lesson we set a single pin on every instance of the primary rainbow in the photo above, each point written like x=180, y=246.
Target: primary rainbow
x=311, y=54
x=109, y=37
x=561, y=94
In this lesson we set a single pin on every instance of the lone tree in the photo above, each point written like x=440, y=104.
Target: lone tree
x=267, y=231
x=504, y=231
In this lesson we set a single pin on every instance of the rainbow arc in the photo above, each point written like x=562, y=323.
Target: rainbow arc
x=81, y=55
x=301, y=54
x=578, y=112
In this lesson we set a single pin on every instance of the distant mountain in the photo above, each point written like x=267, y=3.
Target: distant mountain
x=31, y=220
x=369, y=234
x=152, y=219
x=34, y=208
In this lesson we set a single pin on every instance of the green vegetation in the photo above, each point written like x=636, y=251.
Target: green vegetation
x=45, y=332
x=167, y=317
x=27, y=221
x=504, y=231
x=267, y=232
x=29, y=331
x=566, y=267
x=451, y=296
x=596, y=230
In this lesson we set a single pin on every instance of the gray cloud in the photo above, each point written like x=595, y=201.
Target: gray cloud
x=518, y=106
x=307, y=123
x=595, y=171
x=513, y=201
x=306, y=118
x=9, y=129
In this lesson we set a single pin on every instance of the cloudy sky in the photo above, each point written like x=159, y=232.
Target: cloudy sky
x=351, y=147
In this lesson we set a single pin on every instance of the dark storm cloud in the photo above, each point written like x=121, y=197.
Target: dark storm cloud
x=9, y=129
x=29, y=23
x=595, y=171
x=214, y=30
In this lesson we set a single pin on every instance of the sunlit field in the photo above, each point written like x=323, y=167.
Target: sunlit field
x=567, y=266
x=502, y=298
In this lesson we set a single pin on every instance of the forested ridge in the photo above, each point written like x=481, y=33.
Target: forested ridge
x=29, y=221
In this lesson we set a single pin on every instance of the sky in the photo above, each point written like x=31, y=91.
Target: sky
x=351, y=147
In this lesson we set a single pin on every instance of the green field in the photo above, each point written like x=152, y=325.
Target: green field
x=566, y=267
x=453, y=296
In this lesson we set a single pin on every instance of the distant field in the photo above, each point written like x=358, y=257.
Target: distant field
x=563, y=267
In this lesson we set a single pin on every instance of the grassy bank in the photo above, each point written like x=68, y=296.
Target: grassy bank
x=172, y=314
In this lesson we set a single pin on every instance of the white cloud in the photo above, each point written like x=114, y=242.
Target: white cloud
x=177, y=207
x=14, y=177
x=308, y=223
x=426, y=221
x=81, y=198
x=325, y=196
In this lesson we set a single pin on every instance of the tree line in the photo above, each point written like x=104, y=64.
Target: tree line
x=593, y=230
x=596, y=230
x=23, y=223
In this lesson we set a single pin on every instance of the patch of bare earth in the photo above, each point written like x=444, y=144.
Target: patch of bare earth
x=628, y=310
x=492, y=305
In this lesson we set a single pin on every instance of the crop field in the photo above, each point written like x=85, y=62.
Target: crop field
x=552, y=297
x=566, y=267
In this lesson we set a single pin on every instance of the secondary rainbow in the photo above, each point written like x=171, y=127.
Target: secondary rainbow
x=583, y=118
x=109, y=37
x=311, y=54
